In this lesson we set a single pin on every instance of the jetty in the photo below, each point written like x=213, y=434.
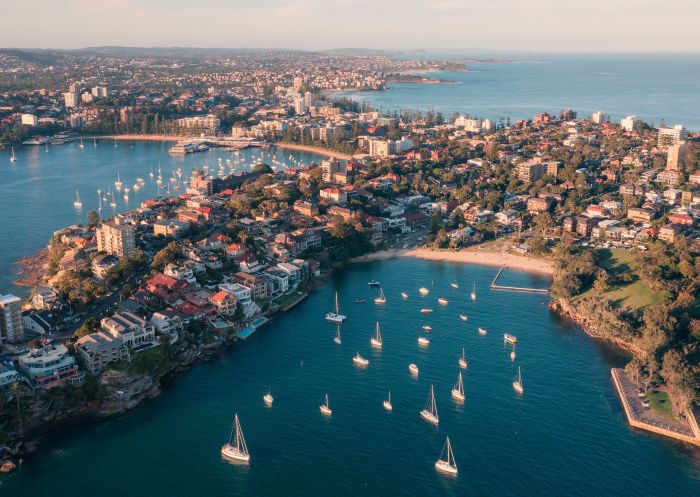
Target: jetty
x=495, y=286
x=686, y=430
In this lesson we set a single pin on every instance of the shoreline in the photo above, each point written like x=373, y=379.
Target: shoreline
x=314, y=150
x=137, y=137
x=480, y=257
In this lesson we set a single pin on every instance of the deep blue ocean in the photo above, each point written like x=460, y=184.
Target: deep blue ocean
x=567, y=435
x=653, y=87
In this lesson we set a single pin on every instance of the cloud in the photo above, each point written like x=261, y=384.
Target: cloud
x=447, y=5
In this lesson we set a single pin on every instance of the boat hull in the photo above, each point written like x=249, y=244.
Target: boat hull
x=463, y=364
x=457, y=395
x=233, y=454
x=375, y=344
x=335, y=318
x=429, y=417
x=517, y=387
x=326, y=411
x=445, y=468
x=388, y=406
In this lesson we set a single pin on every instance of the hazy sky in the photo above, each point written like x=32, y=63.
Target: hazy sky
x=545, y=25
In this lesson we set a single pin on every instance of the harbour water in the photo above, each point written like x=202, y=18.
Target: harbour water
x=566, y=435
x=37, y=191
x=651, y=86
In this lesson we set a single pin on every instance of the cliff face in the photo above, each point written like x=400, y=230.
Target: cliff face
x=598, y=324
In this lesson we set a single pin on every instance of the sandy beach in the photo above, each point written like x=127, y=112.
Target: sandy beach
x=469, y=256
x=313, y=150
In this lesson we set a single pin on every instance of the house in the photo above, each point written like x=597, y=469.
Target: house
x=134, y=331
x=96, y=350
x=639, y=214
x=279, y=279
x=41, y=323
x=168, y=322
x=243, y=298
x=584, y=225
x=681, y=219
x=44, y=298
x=334, y=194
x=569, y=224
x=631, y=189
x=294, y=272
x=50, y=365
x=506, y=217
x=257, y=285
x=224, y=302
x=538, y=205
x=669, y=232
x=102, y=263
x=170, y=227
x=181, y=273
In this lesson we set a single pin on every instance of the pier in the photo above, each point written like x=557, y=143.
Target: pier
x=686, y=430
x=495, y=286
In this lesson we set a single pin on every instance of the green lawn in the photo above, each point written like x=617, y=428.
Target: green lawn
x=635, y=295
x=660, y=403
x=288, y=299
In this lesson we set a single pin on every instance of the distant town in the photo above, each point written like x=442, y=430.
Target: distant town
x=611, y=205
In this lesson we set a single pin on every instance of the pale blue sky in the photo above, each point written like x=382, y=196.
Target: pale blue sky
x=543, y=25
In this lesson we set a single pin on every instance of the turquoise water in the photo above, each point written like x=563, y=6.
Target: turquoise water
x=566, y=435
x=651, y=86
x=37, y=191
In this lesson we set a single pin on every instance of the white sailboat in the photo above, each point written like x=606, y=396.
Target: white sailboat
x=360, y=361
x=413, y=369
x=518, y=382
x=423, y=291
x=81, y=144
x=12, y=157
x=115, y=143
x=335, y=317
x=508, y=338
x=458, y=389
x=454, y=285
x=442, y=301
x=423, y=342
x=404, y=295
x=46, y=147
x=463, y=361
x=387, y=403
x=381, y=299
x=482, y=331
x=94, y=142
x=512, y=353
x=376, y=340
x=267, y=398
x=447, y=465
x=337, y=339
x=473, y=294
x=118, y=183
x=325, y=408
x=235, y=448
x=77, y=204
x=430, y=413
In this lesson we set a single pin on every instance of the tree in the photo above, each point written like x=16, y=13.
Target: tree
x=170, y=253
x=93, y=218
x=679, y=377
x=90, y=325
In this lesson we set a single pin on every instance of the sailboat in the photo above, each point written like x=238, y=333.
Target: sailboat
x=12, y=157
x=118, y=183
x=335, y=317
x=115, y=143
x=423, y=291
x=442, y=301
x=236, y=448
x=458, y=389
x=473, y=294
x=404, y=295
x=423, y=342
x=46, y=147
x=337, y=339
x=94, y=142
x=387, y=403
x=413, y=369
x=454, y=285
x=267, y=398
x=508, y=338
x=463, y=361
x=381, y=299
x=463, y=317
x=518, y=382
x=360, y=361
x=81, y=144
x=512, y=353
x=482, y=331
x=447, y=465
x=325, y=408
x=77, y=204
x=429, y=413
x=376, y=340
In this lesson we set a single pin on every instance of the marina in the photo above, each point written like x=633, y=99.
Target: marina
x=292, y=440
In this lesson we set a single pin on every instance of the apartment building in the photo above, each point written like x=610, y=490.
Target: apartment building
x=11, y=328
x=116, y=238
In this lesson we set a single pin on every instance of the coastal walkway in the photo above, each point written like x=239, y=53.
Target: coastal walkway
x=495, y=286
x=646, y=419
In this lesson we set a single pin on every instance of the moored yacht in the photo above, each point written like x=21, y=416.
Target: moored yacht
x=325, y=408
x=423, y=291
x=518, y=383
x=482, y=331
x=429, y=413
x=508, y=338
x=235, y=448
x=446, y=464
x=404, y=295
x=426, y=310
x=458, y=389
x=267, y=398
x=442, y=301
x=423, y=342
x=360, y=361
x=463, y=317
x=335, y=317
x=462, y=361
x=413, y=369
x=381, y=299
x=376, y=340
x=387, y=403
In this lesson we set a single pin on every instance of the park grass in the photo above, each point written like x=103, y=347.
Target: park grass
x=288, y=299
x=660, y=403
x=635, y=295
